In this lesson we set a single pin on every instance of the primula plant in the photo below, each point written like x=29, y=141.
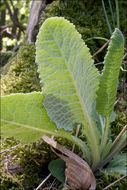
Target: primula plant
x=74, y=96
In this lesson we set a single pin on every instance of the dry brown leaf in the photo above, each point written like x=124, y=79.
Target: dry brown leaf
x=78, y=173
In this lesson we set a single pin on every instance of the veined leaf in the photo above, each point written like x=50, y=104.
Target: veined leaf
x=69, y=78
x=109, y=79
x=118, y=165
x=24, y=118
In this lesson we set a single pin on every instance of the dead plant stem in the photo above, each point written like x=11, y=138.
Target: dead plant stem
x=118, y=137
x=42, y=183
x=9, y=148
x=101, y=49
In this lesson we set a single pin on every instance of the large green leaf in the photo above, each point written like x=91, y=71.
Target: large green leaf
x=109, y=79
x=69, y=78
x=24, y=118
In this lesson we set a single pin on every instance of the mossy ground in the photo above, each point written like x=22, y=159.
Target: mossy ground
x=21, y=76
x=26, y=166
x=22, y=72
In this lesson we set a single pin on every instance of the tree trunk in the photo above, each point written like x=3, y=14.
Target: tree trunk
x=2, y=23
x=36, y=8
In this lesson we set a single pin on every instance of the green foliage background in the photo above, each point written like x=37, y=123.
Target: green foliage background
x=13, y=35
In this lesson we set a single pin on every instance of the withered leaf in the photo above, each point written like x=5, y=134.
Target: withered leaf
x=78, y=174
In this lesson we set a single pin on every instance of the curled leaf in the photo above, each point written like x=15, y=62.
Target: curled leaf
x=78, y=173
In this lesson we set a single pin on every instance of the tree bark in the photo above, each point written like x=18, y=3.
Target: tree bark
x=36, y=8
x=2, y=22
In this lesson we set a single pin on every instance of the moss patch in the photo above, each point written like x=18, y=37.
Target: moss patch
x=22, y=75
x=4, y=57
x=119, y=123
x=24, y=165
x=105, y=180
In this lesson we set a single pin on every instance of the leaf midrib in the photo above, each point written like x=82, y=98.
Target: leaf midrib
x=75, y=86
x=87, y=119
x=29, y=127
x=111, y=82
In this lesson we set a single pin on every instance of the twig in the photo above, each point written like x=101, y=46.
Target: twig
x=123, y=69
x=6, y=26
x=12, y=6
x=116, y=101
x=9, y=149
x=15, y=180
x=120, y=134
x=52, y=184
x=10, y=175
x=100, y=50
x=43, y=181
x=98, y=64
x=9, y=11
x=125, y=56
x=14, y=17
x=115, y=182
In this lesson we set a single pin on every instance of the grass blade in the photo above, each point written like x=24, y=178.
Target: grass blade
x=110, y=6
x=106, y=17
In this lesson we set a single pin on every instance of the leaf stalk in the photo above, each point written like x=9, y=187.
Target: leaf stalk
x=105, y=135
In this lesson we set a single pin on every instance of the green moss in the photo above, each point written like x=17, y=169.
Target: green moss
x=119, y=123
x=4, y=57
x=26, y=163
x=89, y=19
x=105, y=180
x=22, y=75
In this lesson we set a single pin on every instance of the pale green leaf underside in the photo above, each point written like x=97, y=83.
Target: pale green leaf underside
x=24, y=118
x=67, y=73
x=109, y=79
x=68, y=76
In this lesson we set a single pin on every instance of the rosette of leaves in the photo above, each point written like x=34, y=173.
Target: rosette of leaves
x=73, y=93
